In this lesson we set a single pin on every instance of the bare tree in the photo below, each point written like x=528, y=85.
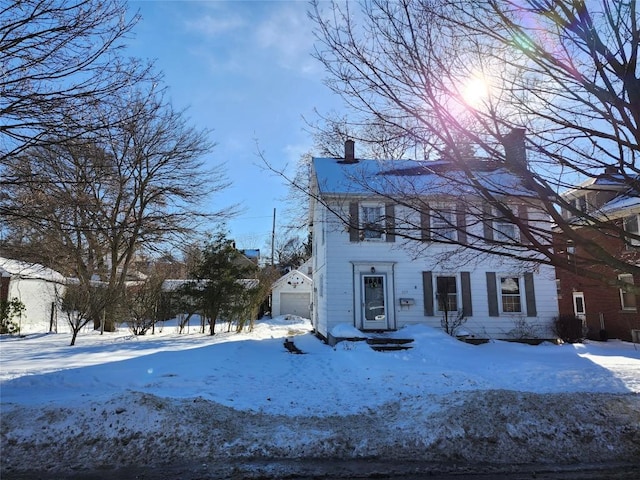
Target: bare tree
x=58, y=59
x=450, y=74
x=93, y=203
x=291, y=251
x=80, y=304
x=142, y=303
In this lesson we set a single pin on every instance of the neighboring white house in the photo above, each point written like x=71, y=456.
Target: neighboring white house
x=368, y=276
x=39, y=289
x=291, y=295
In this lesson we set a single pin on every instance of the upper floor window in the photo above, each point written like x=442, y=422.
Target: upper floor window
x=505, y=231
x=446, y=223
x=627, y=297
x=372, y=222
x=510, y=294
x=581, y=203
x=443, y=225
x=499, y=228
x=631, y=225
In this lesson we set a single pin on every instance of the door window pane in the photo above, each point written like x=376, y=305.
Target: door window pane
x=374, y=309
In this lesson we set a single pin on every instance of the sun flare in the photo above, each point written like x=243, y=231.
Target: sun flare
x=475, y=91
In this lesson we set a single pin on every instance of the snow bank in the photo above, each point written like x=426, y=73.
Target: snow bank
x=116, y=400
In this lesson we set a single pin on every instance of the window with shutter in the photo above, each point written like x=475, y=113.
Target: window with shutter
x=631, y=225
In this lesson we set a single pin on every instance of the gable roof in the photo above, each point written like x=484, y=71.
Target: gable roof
x=625, y=200
x=287, y=278
x=364, y=177
x=33, y=271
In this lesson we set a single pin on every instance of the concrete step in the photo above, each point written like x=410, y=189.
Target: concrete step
x=385, y=344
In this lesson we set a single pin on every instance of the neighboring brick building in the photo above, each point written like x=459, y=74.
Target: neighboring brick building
x=609, y=312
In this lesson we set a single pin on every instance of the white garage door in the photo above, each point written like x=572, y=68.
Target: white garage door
x=295, y=304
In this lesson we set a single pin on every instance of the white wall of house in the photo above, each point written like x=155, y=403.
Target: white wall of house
x=339, y=265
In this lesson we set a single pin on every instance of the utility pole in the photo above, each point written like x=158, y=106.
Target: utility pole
x=273, y=236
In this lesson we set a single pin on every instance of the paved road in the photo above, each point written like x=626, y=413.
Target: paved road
x=344, y=470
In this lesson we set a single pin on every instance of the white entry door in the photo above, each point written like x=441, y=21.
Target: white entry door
x=374, y=308
x=578, y=305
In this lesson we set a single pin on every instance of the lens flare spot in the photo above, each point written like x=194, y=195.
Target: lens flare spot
x=474, y=91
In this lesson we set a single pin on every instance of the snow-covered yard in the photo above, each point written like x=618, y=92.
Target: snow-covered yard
x=115, y=400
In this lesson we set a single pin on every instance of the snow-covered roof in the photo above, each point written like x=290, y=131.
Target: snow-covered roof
x=388, y=177
x=171, y=285
x=625, y=204
x=605, y=181
x=34, y=271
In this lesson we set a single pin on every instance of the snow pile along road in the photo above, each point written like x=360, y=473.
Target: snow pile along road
x=242, y=405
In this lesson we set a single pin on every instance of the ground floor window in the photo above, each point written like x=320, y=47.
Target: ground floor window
x=446, y=294
x=511, y=295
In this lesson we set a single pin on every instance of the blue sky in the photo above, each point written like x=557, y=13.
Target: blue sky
x=244, y=70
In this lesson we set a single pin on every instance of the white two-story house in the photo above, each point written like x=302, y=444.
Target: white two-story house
x=393, y=245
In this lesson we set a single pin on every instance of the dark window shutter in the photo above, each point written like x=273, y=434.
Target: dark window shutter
x=492, y=294
x=523, y=217
x=529, y=291
x=465, y=284
x=354, y=222
x=390, y=222
x=427, y=290
x=425, y=224
x=487, y=222
x=461, y=222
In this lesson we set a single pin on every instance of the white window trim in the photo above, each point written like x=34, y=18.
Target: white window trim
x=622, y=292
x=523, y=300
x=381, y=207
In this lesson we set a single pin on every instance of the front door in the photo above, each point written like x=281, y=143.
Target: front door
x=578, y=305
x=374, y=308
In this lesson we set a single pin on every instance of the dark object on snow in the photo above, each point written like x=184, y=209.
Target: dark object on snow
x=289, y=345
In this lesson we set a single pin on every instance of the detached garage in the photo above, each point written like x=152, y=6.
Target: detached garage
x=291, y=295
x=39, y=288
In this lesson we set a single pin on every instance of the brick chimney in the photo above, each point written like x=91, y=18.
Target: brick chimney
x=514, y=151
x=349, y=151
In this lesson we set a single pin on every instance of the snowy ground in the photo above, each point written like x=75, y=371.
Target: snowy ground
x=243, y=405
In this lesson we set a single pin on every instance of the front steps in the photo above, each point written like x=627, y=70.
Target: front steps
x=378, y=341
x=385, y=344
